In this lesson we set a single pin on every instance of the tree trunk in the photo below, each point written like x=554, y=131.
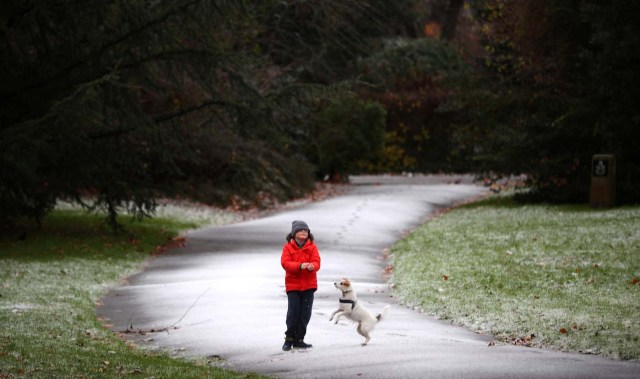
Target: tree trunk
x=451, y=19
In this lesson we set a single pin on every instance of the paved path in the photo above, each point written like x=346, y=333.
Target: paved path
x=223, y=296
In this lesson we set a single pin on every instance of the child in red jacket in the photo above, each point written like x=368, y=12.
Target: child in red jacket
x=300, y=260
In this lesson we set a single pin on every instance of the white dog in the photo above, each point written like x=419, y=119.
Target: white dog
x=351, y=308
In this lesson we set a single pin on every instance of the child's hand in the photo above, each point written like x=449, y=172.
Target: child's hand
x=310, y=266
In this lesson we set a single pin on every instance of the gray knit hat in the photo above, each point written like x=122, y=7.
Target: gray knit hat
x=297, y=226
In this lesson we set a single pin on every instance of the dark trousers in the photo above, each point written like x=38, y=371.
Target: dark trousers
x=298, y=313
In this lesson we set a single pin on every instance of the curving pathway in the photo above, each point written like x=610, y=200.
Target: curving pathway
x=222, y=296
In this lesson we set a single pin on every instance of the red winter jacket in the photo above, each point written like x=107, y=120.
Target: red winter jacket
x=292, y=257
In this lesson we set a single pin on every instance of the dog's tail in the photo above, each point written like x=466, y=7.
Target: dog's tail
x=382, y=313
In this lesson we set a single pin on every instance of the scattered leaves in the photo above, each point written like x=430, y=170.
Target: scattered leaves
x=634, y=281
x=179, y=241
x=563, y=331
x=523, y=341
x=445, y=277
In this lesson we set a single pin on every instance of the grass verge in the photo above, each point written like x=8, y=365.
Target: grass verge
x=560, y=277
x=49, y=284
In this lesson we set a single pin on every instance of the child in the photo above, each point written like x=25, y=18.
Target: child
x=300, y=260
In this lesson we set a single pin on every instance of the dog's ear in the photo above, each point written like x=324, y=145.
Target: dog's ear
x=346, y=282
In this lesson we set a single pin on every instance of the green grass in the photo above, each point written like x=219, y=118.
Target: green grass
x=566, y=274
x=49, y=285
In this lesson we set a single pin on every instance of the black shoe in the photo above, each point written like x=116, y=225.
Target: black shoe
x=301, y=345
x=287, y=344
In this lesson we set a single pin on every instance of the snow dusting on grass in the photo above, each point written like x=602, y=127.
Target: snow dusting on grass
x=566, y=274
x=50, y=281
x=199, y=214
x=202, y=215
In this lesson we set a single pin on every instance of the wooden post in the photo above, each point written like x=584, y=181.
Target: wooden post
x=603, y=180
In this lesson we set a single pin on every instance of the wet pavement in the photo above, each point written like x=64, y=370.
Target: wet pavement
x=222, y=296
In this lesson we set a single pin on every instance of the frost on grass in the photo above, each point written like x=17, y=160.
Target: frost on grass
x=518, y=270
x=200, y=214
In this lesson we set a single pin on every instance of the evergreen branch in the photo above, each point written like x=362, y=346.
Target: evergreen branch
x=185, y=111
x=99, y=52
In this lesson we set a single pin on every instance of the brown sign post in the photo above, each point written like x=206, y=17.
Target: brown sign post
x=603, y=180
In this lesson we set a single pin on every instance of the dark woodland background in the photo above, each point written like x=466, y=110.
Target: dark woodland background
x=115, y=104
